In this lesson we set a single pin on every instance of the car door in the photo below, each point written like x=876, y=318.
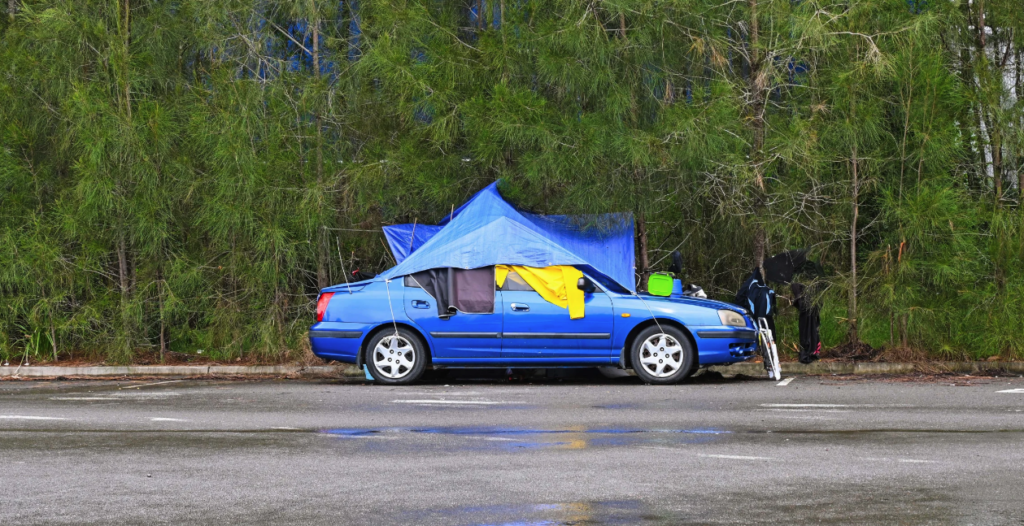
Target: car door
x=460, y=336
x=535, y=328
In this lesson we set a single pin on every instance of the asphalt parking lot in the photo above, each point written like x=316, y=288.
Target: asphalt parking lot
x=822, y=450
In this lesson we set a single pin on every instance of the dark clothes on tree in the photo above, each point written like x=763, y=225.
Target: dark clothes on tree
x=781, y=267
x=454, y=289
x=810, y=321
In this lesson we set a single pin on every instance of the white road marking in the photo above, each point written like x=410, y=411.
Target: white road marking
x=806, y=405
x=904, y=460
x=809, y=410
x=786, y=381
x=143, y=395
x=446, y=393
x=833, y=406
x=161, y=419
x=154, y=383
x=735, y=457
x=448, y=402
x=84, y=398
x=23, y=417
x=1012, y=391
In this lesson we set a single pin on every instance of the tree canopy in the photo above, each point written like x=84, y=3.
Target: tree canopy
x=185, y=175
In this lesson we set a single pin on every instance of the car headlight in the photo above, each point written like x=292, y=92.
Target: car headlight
x=732, y=318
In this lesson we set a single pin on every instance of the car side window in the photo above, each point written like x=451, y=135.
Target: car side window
x=409, y=282
x=515, y=282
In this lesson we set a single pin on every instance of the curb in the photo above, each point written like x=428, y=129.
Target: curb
x=339, y=371
x=822, y=368
x=317, y=371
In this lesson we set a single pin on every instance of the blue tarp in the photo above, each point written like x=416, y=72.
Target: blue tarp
x=487, y=230
x=404, y=239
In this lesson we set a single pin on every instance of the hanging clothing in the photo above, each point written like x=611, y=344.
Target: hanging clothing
x=759, y=299
x=756, y=296
x=556, y=284
x=810, y=322
x=470, y=291
x=781, y=267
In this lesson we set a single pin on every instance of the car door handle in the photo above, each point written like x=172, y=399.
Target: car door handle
x=520, y=307
x=420, y=304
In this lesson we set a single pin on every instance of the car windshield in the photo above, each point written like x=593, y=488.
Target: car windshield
x=605, y=282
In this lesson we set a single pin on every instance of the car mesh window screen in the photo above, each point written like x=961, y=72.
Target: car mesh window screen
x=470, y=291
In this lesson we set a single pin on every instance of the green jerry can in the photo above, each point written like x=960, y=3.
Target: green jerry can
x=660, y=284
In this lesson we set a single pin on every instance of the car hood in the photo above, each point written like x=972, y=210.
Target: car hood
x=698, y=302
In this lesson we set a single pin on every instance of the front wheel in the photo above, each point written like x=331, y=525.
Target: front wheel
x=396, y=357
x=662, y=355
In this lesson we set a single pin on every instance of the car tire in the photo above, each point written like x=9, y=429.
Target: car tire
x=662, y=355
x=395, y=357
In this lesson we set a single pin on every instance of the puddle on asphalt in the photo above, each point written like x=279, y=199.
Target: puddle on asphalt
x=549, y=514
x=518, y=439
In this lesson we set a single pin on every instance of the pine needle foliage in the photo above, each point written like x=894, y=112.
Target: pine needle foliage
x=178, y=177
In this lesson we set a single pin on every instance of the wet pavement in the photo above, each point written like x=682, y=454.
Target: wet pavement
x=466, y=451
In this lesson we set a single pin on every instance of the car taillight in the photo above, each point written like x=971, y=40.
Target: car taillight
x=321, y=305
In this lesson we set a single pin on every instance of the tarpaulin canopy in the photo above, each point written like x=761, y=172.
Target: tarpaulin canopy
x=408, y=237
x=487, y=230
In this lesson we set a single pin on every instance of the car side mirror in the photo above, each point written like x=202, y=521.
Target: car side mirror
x=585, y=285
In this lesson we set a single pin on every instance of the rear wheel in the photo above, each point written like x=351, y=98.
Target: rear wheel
x=396, y=357
x=662, y=355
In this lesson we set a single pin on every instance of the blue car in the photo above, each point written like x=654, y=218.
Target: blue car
x=397, y=328
x=392, y=327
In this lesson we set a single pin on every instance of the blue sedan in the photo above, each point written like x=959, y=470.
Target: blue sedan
x=392, y=328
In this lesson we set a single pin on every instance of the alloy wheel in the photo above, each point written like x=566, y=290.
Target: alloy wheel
x=394, y=356
x=661, y=355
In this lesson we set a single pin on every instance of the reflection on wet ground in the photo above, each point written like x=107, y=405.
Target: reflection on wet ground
x=610, y=512
x=511, y=439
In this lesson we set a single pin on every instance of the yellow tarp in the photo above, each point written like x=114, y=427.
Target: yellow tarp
x=555, y=284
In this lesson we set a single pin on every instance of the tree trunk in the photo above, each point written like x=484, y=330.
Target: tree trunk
x=316, y=48
x=981, y=24
x=127, y=32
x=1018, y=92
x=641, y=241
x=161, y=285
x=122, y=264
x=904, y=337
x=12, y=9
x=852, y=314
x=757, y=84
x=322, y=279
x=323, y=246
x=976, y=149
x=997, y=159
